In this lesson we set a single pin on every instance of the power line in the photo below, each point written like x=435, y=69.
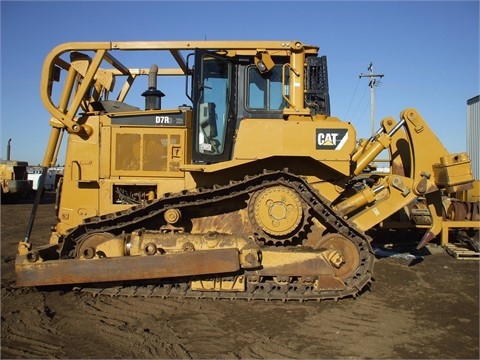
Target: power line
x=372, y=85
x=351, y=100
x=360, y=102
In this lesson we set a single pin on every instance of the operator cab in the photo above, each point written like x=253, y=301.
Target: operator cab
x=226, y=90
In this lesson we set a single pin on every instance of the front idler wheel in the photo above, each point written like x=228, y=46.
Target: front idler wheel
x=342, y=254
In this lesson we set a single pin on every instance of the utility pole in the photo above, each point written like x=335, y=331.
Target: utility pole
x=372, y=84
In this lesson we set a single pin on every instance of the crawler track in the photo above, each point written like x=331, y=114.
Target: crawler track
x=143, y=215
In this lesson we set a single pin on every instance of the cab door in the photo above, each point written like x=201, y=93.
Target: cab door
x=213, y=107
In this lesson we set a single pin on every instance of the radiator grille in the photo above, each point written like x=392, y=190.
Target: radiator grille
x=144, y=152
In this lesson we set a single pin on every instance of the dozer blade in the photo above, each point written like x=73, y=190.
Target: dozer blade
x=56, y=272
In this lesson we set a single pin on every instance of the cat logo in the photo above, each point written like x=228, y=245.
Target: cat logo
x=331, y=139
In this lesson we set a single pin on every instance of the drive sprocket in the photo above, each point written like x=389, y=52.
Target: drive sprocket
x=278, y=214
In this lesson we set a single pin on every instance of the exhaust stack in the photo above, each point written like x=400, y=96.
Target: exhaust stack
x=153, y=97
x=8, y=149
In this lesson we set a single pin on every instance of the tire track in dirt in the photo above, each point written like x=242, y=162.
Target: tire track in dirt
x=152, y=316
x=129, y=323
x=345, y=323
x=213, y=329
x=29, y=332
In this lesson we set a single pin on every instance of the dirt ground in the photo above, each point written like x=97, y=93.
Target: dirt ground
x=418, y=307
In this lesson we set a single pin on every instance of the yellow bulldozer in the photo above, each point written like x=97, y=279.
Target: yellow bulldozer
x=251, y=190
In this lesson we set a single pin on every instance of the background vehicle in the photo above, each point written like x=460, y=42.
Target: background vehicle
x=252, y=191
x=14, y=183
x=51, y=181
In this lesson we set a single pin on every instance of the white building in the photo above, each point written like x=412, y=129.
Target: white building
x=473, y=134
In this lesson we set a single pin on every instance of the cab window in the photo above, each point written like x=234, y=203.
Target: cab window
x=264, y=91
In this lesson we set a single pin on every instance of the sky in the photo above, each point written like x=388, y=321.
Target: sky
x=428, y=52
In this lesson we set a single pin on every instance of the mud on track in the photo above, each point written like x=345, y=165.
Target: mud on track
x=422, y=308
